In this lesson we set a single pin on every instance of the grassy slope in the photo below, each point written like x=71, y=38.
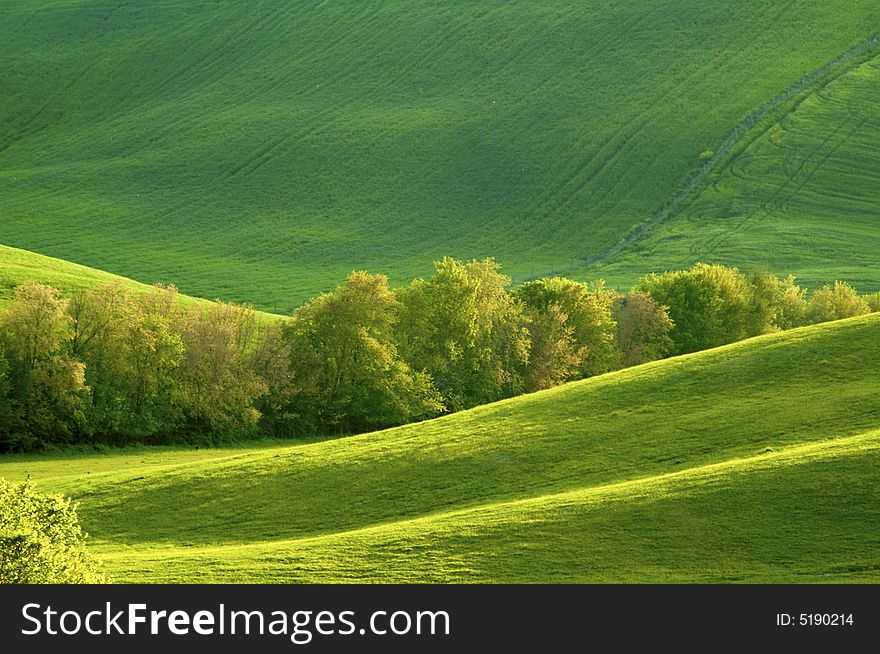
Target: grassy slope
x=260, y=151
x=757, y=461
x=801, y=198
x=17, y=266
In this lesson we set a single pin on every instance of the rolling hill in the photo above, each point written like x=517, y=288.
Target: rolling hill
x=18, y=266
x=799, y=193
x=260, y=151
x=757, y=461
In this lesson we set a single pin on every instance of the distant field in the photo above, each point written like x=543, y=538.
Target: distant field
x=803, y=197
x=757, y=461
x=260, y=151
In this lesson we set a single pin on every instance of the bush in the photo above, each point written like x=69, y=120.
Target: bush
x=41, y=541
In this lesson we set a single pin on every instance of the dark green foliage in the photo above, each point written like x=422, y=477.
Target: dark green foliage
x=41, y=541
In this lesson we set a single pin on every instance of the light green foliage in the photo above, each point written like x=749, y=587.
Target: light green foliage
x=791, y=310
x=588, y=324
x=103, y=323
x=260, y=151
x=554, y=355
x=345, y=361
x=272, y=361
x=574, y=484
x=465, y=330
x=41, y=541
x=9, y=418
x=643, y=328
x=873, y=301
x=835, y=302
x=708, y=304
x=218, y=383
x=47, y=387
x=775, y=304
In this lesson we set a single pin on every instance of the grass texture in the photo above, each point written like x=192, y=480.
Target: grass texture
x=757, y=461
x=259, y=152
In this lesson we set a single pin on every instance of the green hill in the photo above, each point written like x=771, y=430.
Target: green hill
x=757, y=461
x=260, y=151
x=18, y=266
x=799, y=195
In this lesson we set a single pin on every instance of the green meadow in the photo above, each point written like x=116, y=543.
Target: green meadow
x=261, y=151
x=798, y=194
x=757, y=461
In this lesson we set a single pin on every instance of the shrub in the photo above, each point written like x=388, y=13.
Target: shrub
x=41, y=540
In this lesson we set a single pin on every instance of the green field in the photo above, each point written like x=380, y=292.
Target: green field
x=260, y=151
x=758, y=461
x=800, y=195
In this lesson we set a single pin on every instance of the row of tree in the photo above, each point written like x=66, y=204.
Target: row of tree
x=111, y=366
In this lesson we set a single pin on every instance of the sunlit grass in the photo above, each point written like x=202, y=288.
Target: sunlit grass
x=756, y=461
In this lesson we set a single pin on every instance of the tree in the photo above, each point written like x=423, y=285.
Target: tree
x=873, y=301
x=348, y=373
x=47, y=385
x=643, y=328
x=835, y=302
x=588, y=321
x=153, y=353
x=271, y=361
x=792, y=305
x=131, y=354
x=774, y=304
x=466, y=331
x=218, y=385
x=708, y=304
x=554, y=354
x=10, y=422
x=101, y=323
x=41, y=541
